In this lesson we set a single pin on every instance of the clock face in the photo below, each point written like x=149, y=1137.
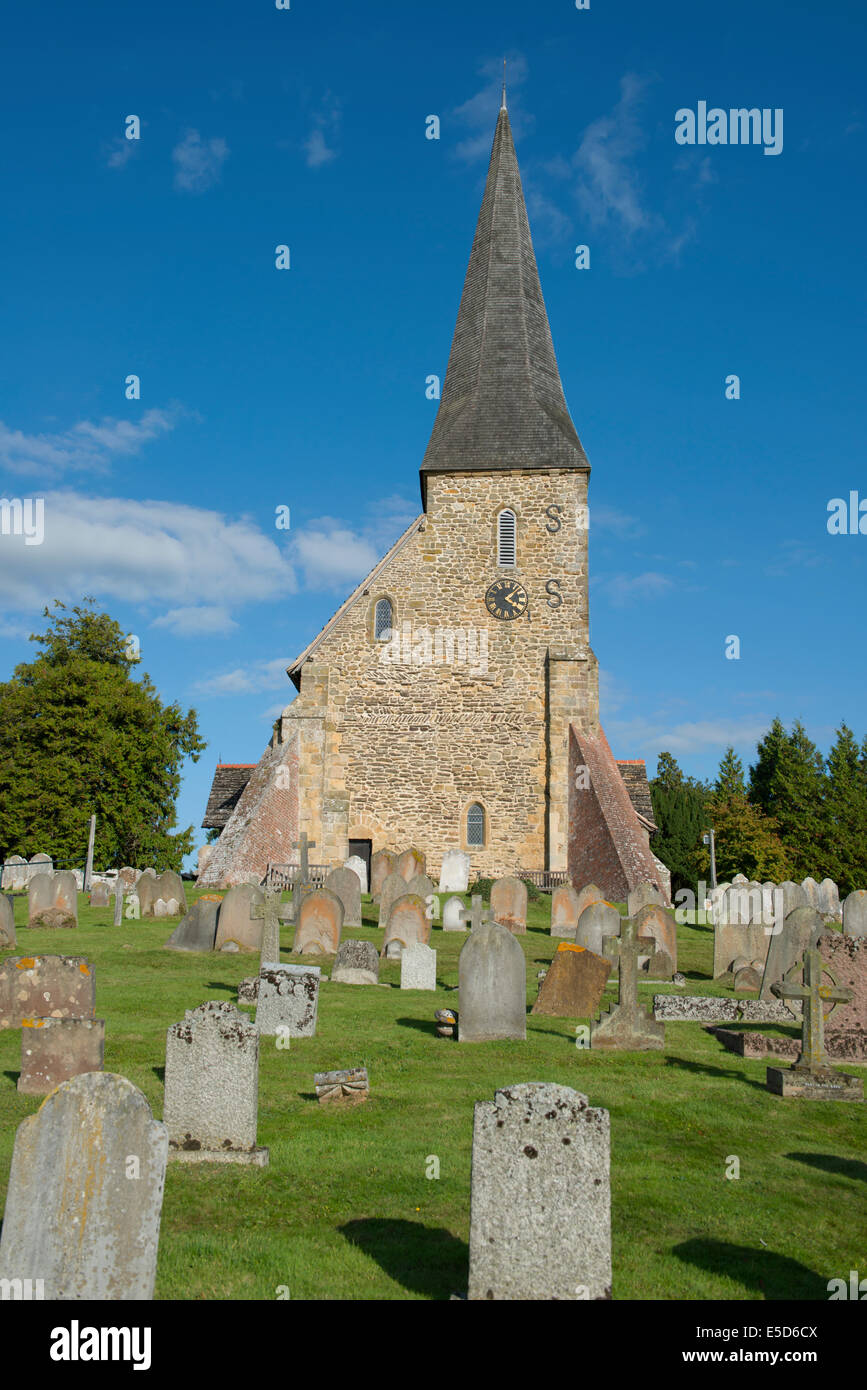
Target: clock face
x=506, y=599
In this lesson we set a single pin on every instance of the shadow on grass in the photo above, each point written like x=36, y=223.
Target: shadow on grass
x=421, y=1025
x=702, y=1069
x=429, y=1261
x=829, y=1163
x=221, y=984
x=773, y=1276
x=13, y=1076
x=160, y=1074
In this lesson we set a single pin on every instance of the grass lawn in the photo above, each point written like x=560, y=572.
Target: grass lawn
x=345, y=1209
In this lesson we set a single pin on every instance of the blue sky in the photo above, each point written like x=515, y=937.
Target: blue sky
x=306, y=388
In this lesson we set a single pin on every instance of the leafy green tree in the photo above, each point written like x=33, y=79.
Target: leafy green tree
x=790, y=782
x=679, y=812
x=763, y=791
x=79, y=736
x=846, y=812
x=746, y=839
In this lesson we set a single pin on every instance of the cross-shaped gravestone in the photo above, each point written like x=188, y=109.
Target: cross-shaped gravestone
x=813, y=995
x=272, y=912
x=478, y=916
x=118, y=904
x=811, y=1078
x=303, y=845
x=626, y=1026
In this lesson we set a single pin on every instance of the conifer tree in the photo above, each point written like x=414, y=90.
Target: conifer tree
x=746, y=839
x=846, y=812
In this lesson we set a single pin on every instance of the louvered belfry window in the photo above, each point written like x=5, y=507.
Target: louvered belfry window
x=476, y=825
x=506, y=531
x=382, y=624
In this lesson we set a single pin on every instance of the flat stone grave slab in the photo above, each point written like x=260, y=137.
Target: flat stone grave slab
x=350, y=1087
x=53, y=1050
x=574, y=984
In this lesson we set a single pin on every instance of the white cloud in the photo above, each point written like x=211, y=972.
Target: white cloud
x=608, y=188
x=326, y=127
x=623, y=589
x=705, y=735
x=148, y=552
x=121, y=152
x=198, y=163
x=85, y=446
x=333, y=556
x=604, y=518
x=248, y=680
x=479, y=112
x=197, y=620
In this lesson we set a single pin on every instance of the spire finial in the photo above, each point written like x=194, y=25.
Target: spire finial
x=503, y=107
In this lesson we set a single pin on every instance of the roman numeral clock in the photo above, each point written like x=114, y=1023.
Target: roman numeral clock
x=506, y=599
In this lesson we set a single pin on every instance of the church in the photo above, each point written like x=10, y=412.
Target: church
x=452, y=700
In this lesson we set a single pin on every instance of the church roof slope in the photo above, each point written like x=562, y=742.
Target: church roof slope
x=230, y=779
x=502, y=404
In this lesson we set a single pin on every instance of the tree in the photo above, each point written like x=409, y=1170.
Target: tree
x=795, y=797
x=846, y=812
x=746, y=839
x=679, y=811
x=763, y=790
x=79, y=736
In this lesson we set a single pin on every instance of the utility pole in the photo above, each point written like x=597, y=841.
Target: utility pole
x=708, y=839
x=88, y=871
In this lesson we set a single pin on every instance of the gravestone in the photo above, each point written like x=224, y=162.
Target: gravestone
x=320, y=922
x=829, y=899
x=161, y=909
x=381, y=865
x=345, y=884
x=197, y=929
x=739, y=878
x=393, y=888
x=747, y=980
x=350, y=1087
x=598, y=921
x=40, y=864
x=164, y=887
x=118, y=904
x=45, y=987
x=641, y=896
x=733, y=940
x=452, y=910
x=356, y=963
x=793, y=896
x=492, y=976
x=418, y=967
x=540, y=1205
x=455, y=872
x=654, y=921
x=7, y=924
x=478, y=915
x=625, y=1026
x=74, y=1218
x=565, y=911
x=359, y=868
x=52, y=901
x=574, y=984
x=811, y=888
x=128, y=876
x=53, y=1050
x=271, y=912
x=288, y=1000
x=408, y=922
x=99, y=895
x=234, y=922
x=509, y=904
x=14, y=876
x=212, y=1087
x=587, y=895
x=410, y=863
x=811, y=1077
x=845, y=959
x=855, y=914
x=146, y=892
x=801, y=930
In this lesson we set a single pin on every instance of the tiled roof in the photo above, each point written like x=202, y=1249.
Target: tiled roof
x=230, y=779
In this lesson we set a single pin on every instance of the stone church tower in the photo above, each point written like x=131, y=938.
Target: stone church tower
x=434, y=708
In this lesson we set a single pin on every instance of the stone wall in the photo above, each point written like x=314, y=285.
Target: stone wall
x=263, y=825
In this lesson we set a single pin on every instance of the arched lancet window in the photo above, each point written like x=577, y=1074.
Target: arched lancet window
x=506, y=533
x=382, y=623
x=476, y=824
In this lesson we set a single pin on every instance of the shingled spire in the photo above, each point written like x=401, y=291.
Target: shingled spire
x=502, y=404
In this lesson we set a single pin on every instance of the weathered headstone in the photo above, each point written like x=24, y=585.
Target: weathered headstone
x=350, y=1087
x=829, y=899
x=40, y=897
x=801, y=930
x=747, y=980
x=855, y=914
x=99, y=895
x=7, y=924
x=408, y=922
x=574, y=984
x=393, y=888
x=452, y=920
x=166, y=886
x=118, y=903
x=565, y=911
x=381, y=865
x=732, y=940
x=75, y=1219
x=654, y=921
x=359, y=868
x=40, y=864
x=418, y=967
x=15, y=875
x=811, y=888
x=129, y=877
x=598, y=921
x=271, y=912
x=52, y=900
x=45, y=987
x=161, y=909
x=196, y=930
x=234, y=922
x=793, y=896
x=845, y=959
x=641, y=896
x=53, y=1050
x=288, y=1000
x=625, y=1026
x=320, y=922
x=590, y=893
x=492, y=979
x=212, y=1087
x=455, y=871
x=477, y=915
x=410, y=863
x=146, y=892
x=347, y=887
x=540, y=1207
x=356, y=963
x=509, y=903
x=811, y=1077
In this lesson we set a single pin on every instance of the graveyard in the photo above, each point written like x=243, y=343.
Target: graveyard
x=372, y=1200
